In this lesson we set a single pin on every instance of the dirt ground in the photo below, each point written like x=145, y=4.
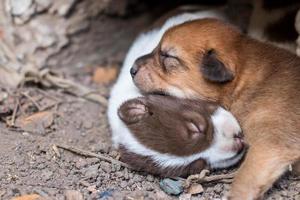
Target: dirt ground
x=32, y=162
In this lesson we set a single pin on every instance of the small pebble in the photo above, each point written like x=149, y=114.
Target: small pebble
x=136, y=178
x=105, y=166
x=170, y=186
x=119, y=174
x=150, y=178
x=106, y=193
x=123, y=184
x=92, y=171
x=88, y=124
x=114, y=153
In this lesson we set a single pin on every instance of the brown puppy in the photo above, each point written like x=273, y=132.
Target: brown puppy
x=258, y=83
x=178, y=136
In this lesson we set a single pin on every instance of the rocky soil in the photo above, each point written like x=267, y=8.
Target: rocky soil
x=36, y=121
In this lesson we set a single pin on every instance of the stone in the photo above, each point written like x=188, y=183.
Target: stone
x=105, y=166
x=88, y=124
x=114, y=154
x=92, y=171
x=123, y=184
x=19, y=7
x=150, y=178
x=43, y=5
x=171, y=187
x=136, y=178
x=63, y=7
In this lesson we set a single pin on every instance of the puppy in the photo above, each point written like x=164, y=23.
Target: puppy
x=124, y=89
x=176, y=137
x=257, y=82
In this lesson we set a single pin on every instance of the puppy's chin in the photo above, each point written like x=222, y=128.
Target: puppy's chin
x=148, y=87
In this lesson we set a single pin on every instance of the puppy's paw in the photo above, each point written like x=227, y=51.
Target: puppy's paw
x=133, y=111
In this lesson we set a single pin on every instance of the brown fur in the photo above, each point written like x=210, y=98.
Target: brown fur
x=167, y=124
x=263, y=92
x=146, y=164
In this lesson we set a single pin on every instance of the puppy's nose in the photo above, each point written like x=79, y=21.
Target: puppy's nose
x=134, y=70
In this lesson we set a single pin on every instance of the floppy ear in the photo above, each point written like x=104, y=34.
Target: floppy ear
x=215, y=70
x=132, y=111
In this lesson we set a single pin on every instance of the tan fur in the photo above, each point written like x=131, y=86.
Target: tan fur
x=264, y=94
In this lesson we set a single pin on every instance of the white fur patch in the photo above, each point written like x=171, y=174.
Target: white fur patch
x=124, y=89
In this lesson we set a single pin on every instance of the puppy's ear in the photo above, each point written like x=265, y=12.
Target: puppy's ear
x=133, y=111
x=215, y=70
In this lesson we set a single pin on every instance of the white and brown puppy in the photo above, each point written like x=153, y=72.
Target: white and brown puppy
x=124, y=89
x=257, y=82
x=178, y=137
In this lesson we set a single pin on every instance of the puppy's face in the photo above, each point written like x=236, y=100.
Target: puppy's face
x=168, y=125
x=195, y=59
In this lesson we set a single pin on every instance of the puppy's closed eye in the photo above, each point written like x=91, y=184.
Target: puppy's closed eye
x=195, y=130
x=168, y=61
x=195, y=125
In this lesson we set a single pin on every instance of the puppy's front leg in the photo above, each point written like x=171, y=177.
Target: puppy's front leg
x=263, y=165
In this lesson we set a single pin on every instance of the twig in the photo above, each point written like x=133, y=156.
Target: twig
x=203, y=178
x=48, y=95
x=32, y=100
x=13, y=118
x=91, y=154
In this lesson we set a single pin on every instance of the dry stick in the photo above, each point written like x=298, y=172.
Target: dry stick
x=91, y=154
x=202, y=178
x=32, y=100
x=224, y=178
x=13, y=118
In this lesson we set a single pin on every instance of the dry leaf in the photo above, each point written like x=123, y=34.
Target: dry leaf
x=73, y=195
x=195, y=189
x=105, y=74
x=28, y=197
x=36, y=123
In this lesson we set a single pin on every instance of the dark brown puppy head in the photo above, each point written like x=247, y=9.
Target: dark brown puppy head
x=194, y=59
x=171, y=136
x=169, y=125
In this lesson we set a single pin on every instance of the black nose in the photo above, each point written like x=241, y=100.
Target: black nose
x=134, y=70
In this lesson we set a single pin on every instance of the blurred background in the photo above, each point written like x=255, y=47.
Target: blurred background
x=58, y=61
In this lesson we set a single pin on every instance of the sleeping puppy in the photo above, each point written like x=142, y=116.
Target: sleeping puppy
x=179, y=137
x=257, y=82
x=124, y=89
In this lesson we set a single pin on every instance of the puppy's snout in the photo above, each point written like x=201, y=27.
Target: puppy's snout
x=134, y=70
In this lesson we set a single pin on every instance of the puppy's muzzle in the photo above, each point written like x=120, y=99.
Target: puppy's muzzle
x=134, y=70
